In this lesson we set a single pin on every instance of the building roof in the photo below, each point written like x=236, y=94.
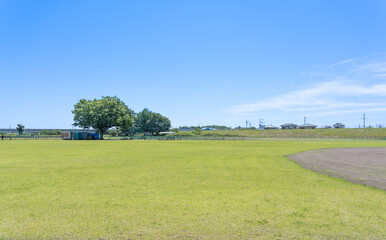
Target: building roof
x=288, y=124
x=167, y=133
x=308, y=125
x=207, y=128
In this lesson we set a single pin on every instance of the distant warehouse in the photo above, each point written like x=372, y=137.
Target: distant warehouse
x=307, y=126
x=289, y=126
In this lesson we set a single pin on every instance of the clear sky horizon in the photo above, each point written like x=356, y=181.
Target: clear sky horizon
x=196, y=62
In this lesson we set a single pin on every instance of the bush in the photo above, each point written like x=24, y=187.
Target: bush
x=51, y=132
x=113, y=132
x=176, y=130
x=197, y=131
x=184, y=134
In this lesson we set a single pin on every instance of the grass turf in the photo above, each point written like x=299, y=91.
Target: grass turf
x=361, y=133
x=179, y=190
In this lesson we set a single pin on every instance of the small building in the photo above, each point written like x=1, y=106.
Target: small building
x=84, y=136
x=166, y=133
x=66, y=135
x=289, y=126
x=307, y=126
x=270, y=127
x=339, y=125
x=326, y=127
x=208, y=129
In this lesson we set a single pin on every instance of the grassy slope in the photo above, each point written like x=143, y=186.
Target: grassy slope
x=323, y=133
x=179, y=189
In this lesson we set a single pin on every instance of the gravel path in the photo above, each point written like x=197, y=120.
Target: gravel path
x=359, y=165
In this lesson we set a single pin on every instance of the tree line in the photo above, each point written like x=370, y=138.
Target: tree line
x=111, y=112
x=217, y=127
x=20, y=128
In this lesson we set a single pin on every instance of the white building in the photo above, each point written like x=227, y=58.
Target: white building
x=339, y=125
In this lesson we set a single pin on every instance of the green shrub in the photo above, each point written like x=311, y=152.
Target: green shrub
x=51, y=132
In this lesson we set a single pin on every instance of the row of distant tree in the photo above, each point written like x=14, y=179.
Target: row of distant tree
x=20, y=128
x=111, y=112
x=217, y=127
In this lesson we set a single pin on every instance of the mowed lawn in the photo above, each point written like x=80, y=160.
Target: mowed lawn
x=179, y=190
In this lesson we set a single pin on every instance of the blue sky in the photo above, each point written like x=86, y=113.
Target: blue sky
x=196, y=62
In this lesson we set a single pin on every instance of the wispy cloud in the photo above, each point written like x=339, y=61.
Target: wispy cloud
x=356, y=110
x=350, y=60
x=380, y=75
x=375, y=67
x=341, y=90
x=350, y=67
x=318, y=97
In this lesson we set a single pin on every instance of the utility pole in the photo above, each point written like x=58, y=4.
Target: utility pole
x=246, y=123
x=261, y=123
x=364, y=120
x=305, y=120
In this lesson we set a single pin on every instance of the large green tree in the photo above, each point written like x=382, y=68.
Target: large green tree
x=102, y=114
x=148, y=121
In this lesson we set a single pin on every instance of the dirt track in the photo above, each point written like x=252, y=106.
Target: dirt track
x=359, y=165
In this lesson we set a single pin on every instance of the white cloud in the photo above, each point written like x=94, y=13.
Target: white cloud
x=380, y=75
x=377, y=67
x=346, y=89
x=357, y=110
x=323, y=96
x=343, y=62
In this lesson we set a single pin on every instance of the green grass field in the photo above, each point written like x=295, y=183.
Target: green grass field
x=179, y=190
x=363, y=133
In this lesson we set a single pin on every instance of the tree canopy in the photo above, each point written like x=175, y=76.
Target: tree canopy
x=20, y=128
x=148, y=121
x=102, y=114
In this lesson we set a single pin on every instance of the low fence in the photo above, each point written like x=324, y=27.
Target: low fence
x=240, y=138
x=236, y=138
x=8, y=138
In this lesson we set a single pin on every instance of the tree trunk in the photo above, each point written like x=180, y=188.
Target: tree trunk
x=101, y=135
